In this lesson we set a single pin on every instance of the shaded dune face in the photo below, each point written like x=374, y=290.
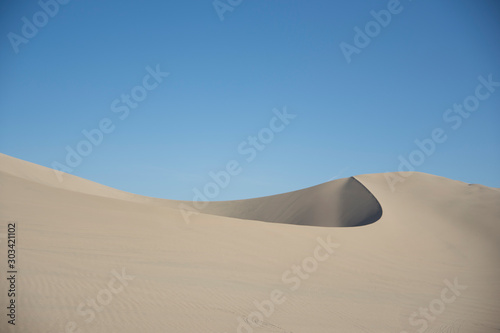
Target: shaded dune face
x=339, y=203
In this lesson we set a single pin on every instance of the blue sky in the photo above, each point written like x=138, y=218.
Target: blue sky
x=227, y=76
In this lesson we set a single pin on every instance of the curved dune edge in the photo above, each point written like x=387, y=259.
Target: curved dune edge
x=339, y=203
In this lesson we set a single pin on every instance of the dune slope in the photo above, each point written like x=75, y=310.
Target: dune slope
x=95, y=259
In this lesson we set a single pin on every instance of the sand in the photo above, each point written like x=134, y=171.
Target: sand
x=349, y=255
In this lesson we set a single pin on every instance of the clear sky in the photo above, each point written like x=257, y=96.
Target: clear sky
x=363, y=86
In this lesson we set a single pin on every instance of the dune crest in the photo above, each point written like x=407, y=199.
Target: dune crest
x=339, y=203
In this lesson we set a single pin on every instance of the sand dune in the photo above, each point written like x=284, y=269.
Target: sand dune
x=345, y=256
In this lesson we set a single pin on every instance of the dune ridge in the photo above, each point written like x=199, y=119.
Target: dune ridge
x=339, y=203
